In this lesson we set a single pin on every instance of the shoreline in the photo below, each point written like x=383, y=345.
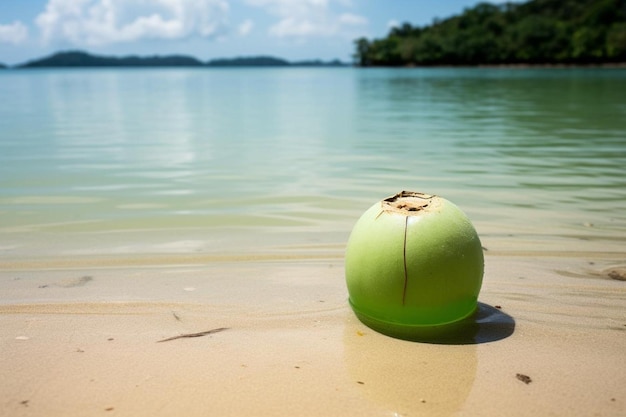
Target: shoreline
x=164, y=260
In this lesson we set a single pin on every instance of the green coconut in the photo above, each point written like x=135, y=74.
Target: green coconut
x=414, y=266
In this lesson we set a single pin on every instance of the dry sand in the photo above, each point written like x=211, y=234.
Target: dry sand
x=80, y=338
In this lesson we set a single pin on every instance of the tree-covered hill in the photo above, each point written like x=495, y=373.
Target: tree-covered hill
x=535, y=32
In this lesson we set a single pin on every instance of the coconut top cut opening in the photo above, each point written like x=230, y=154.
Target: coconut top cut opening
x=409, y=203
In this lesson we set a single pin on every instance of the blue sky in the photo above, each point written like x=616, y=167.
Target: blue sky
x=206, y=29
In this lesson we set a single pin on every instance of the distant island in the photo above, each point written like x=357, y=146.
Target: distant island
x=257, y=61
x=75, y=59
x=268, y=61
x=537, y=32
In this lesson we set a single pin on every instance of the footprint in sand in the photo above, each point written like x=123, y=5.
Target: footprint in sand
x=617, y=273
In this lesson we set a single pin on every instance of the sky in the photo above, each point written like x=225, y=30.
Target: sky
x=207, y=29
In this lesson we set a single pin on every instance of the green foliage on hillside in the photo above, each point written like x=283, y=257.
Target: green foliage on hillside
x=535, y=32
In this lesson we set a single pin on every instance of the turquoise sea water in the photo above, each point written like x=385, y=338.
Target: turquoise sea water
x=106, y=161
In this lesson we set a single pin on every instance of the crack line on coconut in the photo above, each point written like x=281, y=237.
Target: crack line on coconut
x=408, y=203
x=406, y=275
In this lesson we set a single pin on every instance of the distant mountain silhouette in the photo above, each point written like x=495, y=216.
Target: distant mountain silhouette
x=255, y=61
x=71, y=59
x=84, y=59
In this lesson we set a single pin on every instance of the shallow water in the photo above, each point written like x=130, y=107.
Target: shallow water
x=107, y=161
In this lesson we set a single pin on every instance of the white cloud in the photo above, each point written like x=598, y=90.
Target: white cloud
x=352, y=19
x=393, y=24
x=100, y=22
x=304, y=18
x=245, y=27
x=15, y=32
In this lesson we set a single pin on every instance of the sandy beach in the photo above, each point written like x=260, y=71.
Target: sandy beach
x=84, y=336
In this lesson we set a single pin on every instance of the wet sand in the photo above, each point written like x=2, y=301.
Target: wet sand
x=81, y=337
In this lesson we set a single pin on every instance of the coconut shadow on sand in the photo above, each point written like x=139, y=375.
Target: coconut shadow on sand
x=486, y=324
